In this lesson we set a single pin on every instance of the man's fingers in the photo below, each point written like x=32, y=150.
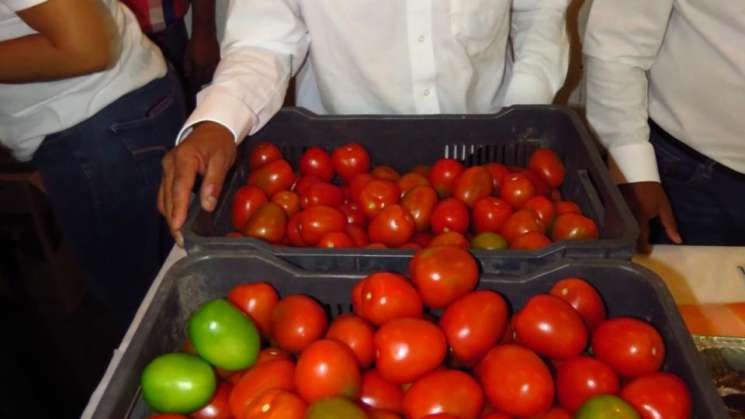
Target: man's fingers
x=167, y=185
x=161, y=201
x=217, y=168
x=667, y=218
x=187, y=166
x=643, y=242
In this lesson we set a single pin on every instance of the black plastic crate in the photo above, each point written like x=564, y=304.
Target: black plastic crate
x=508, y=137
x=629, y=290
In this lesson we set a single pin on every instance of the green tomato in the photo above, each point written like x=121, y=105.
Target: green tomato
x=489, y=241
x=334, y=408
x=606, y=407
x=224, y=336
x=178, y=383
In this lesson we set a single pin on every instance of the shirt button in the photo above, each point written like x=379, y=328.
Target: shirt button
x=426, y=92
x=421, y=38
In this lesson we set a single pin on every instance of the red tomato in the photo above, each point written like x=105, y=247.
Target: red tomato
x=384, y=296
x=497, y=172
x=356, y=333
x=262, y=154
x=234, y=234
x=385, y=173
x=273, y=177
x=410, y=245
x=516, y=381
x=327, y=368
x=574, y=227
x=293, y=231
x=304, y=182
x=547, y=164
x=376, y=246
x=582, y=378
x=443, y=175
x=584, y=298
x=317, y=221
x=451, y=238
x=335, y=240
x=443, y=274
x=289, y=201
x=530, y=241
x=420, y=201
x=317, y=162
x=567, y=207
x=444, y=391
x=422, y=169
x=382, y=414
x=541, y=187
x=449, y=215
x=167, y=417
x=276, y=404
x=393, y=226
x=322, y=193
x=356, y=185
x=658, y=396
x=358, y=235
x=551, y=327
x=354, y=214
x=521, y=222
x=556, y=413
x=630, y=346
x=495, y=416
x=279, y=374
x=516, y=190
x=379, y=393
x=407, y=348
x=441, y=416
x=423, y=239
x=542, y=206
x=268, y=223
x=489, y=214
x=473, y=324
x=410, y=181
x=376, y=195
x=246, y=201
x=258, y=301
x=297, y=321
x=218, y=407
x=349, y=160
x=473, y=184
x=272, y=354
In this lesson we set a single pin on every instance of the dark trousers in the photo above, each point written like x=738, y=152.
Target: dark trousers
x=708, y=199
x=102, y=177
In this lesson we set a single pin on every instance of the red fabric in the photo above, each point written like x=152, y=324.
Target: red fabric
x=155, y=15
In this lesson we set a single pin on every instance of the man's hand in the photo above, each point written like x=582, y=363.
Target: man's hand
x=209, y=151
x=202, y=55
x=647, y=201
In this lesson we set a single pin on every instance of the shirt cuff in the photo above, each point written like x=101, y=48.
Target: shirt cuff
x=528, y=89
x=633, y=163
x=214, y=105
x=18, y=5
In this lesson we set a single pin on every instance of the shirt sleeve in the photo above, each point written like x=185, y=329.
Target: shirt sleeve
x=541, y=51
x=265, y=43
x=621, y=43
x=18, y=5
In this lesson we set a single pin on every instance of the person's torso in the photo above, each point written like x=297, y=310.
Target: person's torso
x=445, y=56
x=30, y=111
x=697, y=84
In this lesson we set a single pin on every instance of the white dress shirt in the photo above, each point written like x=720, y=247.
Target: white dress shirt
x=384, y=57
x=680, y=62
x=31, y=111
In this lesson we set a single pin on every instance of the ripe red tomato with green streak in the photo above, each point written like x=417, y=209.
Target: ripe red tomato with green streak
x=384, y=296
x=489, y=215
x=444, y=391
x=357, y=334
x=246, y=201
x=386, y=173
x=410, y=181
x=262, y=154
x=530, y=241
x=279, y=374
x=336, y=240
x=473, y=324
x=516, y=381
x=297, y=321
x=322, y=193
x=443, y=175
x=546, y=163
x=567, y=207
x=268, y=223
x=317, y=162
x=542, y=206
x=276, y=404
x=659, y=395
x=376, y=195
x=257, y=300
x=273, y=177
x=354, y=214
x=582, y=378
x=293, y=231
x=317, y=221
x=584, y=298
x=631, y=347
x=407, y=348
x=379, y=393
x=443, y=274
x=516, y=190
x=450, y=238
x=393, y=226
x=473, y=184
x=551, y=327
x=420, y=201
x=350, y=160
x=497, y=172
x=272, y=354
x=327, y=368
x=303, y=183
x=289, y=201
x=449, y=215
x=218, y=407
x=521, y=222
x=357, y=234
x=572, y=226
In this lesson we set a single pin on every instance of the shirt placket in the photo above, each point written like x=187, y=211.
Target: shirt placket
x=422, y=56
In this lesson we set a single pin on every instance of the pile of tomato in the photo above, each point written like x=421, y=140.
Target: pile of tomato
x=335, y=200
x=428, y=346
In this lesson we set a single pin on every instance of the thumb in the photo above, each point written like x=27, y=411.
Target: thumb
x=668, y=221
x=214, y=177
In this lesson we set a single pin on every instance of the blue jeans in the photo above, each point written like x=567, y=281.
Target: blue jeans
x=708, y=199
x=102, y=178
